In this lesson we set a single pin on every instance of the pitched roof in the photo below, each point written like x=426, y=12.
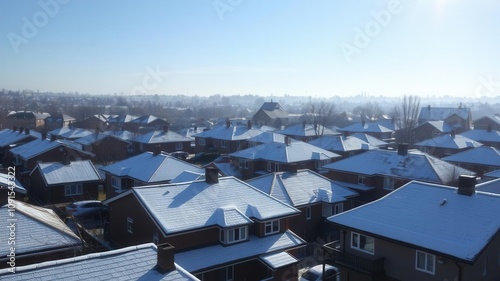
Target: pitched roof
x=495, y=118
x=369, y=139
x=122, y=134
x=308, y=130
x=415, y=165
x=37, y=229
x=150, y=168
x=430, y=216
x=9, y=137
x=429, y=113
x=483, y=155
x=161, y=136
x=192, y=205
x=70, y=133
x=130, y=263
x=439, y=125
x=301, y=188
x=297, y=151
x=492, y=186
x=6, y=182
x=197, y=261
x=449, y=141
x=121, y=118
x=341, y=143
x=91, y=139
x=493, y=174
x=367, y=127
x=145, y=119
x=482, y=135
x=54, y=173
x=267, y=137
x=273, y=110
x=38, y=146
x=234, y=133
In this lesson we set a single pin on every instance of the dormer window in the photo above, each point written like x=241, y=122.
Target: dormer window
x=272, y=227
x=233, y=235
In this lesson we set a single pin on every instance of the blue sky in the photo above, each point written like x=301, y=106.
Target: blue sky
x=311, y=48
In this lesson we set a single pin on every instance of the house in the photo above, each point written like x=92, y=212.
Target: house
x=421, y=231
x=145, y=123
x=12, y=138
x=307, y=132
x=278, y=157
x=225, y=138
x=487, y=123
x=271, y=114
x=64, y=182
x=39, y=235
x=141, y=262
x=58, y=121
x=26, y=119
x=486, y=137
x=380, y=129
x=10, y=187
x=446, y=145
x=165, y=140
x=431, y=129
x=108, y=148
x=315, y=196
x=459, y=118
x=95, y=121
x=481, y=159
x=144, y=169
x=117, y=122
x=376, y=173
x=371, y=140
x=69, y=133
x=265, y=137
x=345, y=146
x=220, y=227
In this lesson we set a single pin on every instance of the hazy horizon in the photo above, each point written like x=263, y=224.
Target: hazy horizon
x=238, y=47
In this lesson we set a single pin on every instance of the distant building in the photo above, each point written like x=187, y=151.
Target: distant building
x=26, y=119
x=58, y=121
x=270, y=114
x=459, y=118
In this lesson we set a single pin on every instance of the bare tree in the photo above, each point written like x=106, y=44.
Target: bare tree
x=320, y=115
x=406, y=116
x=370, y=110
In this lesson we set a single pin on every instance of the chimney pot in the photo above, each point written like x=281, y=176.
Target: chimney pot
x=466, y=185
x=211, y=175
x=165, y=258
x=402, y=149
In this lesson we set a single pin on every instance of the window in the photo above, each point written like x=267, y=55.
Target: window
x=388, y=183
x=272, y=227
x=269, y=166
x=116, y=182
x=362, y=243
x=179, y=146
x=156, y=238
x=201, y=141
x=243, y=163
x=223, y=143
x=308, y=212
x=229, y=273
x=330, y=210
x=338, y=208
x=425, y=262
x=233, y=235
x=321, y=163
x=276, y=167
x=130, y=224
x=73, y=189
x=361, y=180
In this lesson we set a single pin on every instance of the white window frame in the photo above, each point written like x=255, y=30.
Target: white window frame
x=356, y=242
x=274, y=227
x=116, y=182
x=329, y=210
x=227, y=236
x=230, y=273
x=243, y=163
x=426, y=256
x=338, y=208
x=276, y=167
x=321, y=163
x=202, y=142
x=156, y=238
x=223, y=143
x=308, y=212
x=179, y=146
x=362, y=180
x=130, y=225
x=73, y=189
x=269, y=166
x=388, y=183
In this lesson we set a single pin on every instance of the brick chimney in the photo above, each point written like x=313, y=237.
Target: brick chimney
x=165, y=258
x=303, y=124
x=249, y=124
x=53, y=137
x=402, y=149
x=21, y=129
x=452, y=133
x=211, y=175
x=165, y=128
x=156, y=149
x=43, y=135
x=466, y=185
x=27, y=131
x=287, y=140
x=489, y=128
x=228, y=123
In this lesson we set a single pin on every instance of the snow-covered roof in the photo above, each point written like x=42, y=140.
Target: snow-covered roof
x=192, y=205
x=277, y=260
x=483, y=155
x=440, y=126
x=122, y=134
x=301, y=188
x=150, y=168
x=228, y=169
x=429, y=113
x=492, y=186
x=367, y=127
x=93, y=138
x=6, y=182
x=296, y=151
x=197, y=261
x=415, y=165
x=70, y=133
x=449, y=141
x=430, y=216
x=130, y=263
x=493, y=174
x=188, y=176
x=234, y=133
x=299, y=130
x=145, y=119
x=483, y=135
x=341, y=143
x=160, y=136
x=495, y=118
x=8, y=136
x=267, y=137
x=121, y=118
x=37, y=229
x=373, y=141
x=38, y=146
x=273, y=110
x=76, y=171
x=230, y=216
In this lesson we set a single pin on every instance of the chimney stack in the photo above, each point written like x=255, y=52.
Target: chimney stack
x=287, y=140
x=43, y=135
x=14, y=128
x=304, y=123
x=53, y=137
x=452, y=133
x=249, y=124
x=27, y=131
x=165, y=128
x=156, y=149
x=489, y=128
x=211, y=175
x=96, y=131
x=402, y=149
x=228, y=123
x=466, y=185
x=165, y=258
x=21, y=129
